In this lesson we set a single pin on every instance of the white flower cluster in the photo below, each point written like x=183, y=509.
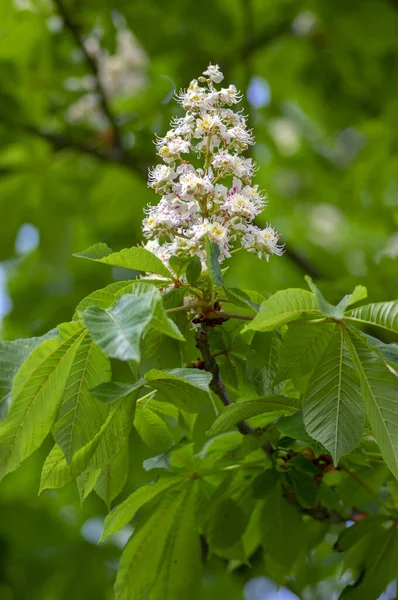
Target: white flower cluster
x=121, y=74
x=217, y=200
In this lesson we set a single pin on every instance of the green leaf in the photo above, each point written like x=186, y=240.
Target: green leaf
x=188, y=389
x=302, y=472
x=282, y=529
x=86, y=482
x=325, y=307
x=213, y=265
x=125, y=512
x=380, y=393
x=12, y=355
x=162, y=557
x=137, y=259
x=179, y=264
x=103, y=298
x=240, y=298
x=293, y=427
x=303, y=345
x=334, y=413
x=226, y=525
x=240, y=411
x=112, y=477
x=261, y=368
x=264, y=483
x=372, y=547
x=388, y=351
x=283, y=307
x=382, y=314
x=105, y=446
x=152, y=429
x=181, y=568
x=81, y=416
x=118, y=330
x=360, y=293
x=113, y=390
x=194, y=269
x=36, y=395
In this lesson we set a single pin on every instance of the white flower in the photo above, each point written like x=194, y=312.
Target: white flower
x=195, y=205
x=214, y=73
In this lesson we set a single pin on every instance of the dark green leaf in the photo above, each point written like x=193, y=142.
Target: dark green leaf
x=213, y=265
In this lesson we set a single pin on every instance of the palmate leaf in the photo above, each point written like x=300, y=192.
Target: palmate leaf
x=380, y=393
x=100, y=451
x=382, y=314
x=240, y=411
x=118, y=330
x=283, y=307
x=334, y=413
x=81, y=415
x=302, y=347
x=36, y=396
x=137, y=259
x=188, y=389
x=162, y=558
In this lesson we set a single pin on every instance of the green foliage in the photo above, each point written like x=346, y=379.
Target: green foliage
x=122, y=390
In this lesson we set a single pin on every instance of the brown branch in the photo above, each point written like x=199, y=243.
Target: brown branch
x=92, y=64
x=60, y=141
x=217, y=384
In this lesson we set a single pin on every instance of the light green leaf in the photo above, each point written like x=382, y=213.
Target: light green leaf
x=124, y=513
x=112, y=477
x=136, y=258
x=152, y=429
x=181, y=568
x=113, y=390
x=147, y=566
x=325, y=307
x=36, y=395
x=240, y=411
x=105, y=297
x=303, y=345
x=283, y=307
x=382, y=314
x=334, y=413
x=118, y=330
x=106, y=444
x=81, y=416
x=380, y=393
x=188, y=389
x=240, y=298
x=360, y=293
x=12, y=355
x=213, y=265
x=86, y=482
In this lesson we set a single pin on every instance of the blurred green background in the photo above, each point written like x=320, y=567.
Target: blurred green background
x=85, y=86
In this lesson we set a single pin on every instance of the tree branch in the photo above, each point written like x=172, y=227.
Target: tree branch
x=60, y=141
x=217, y=384
x=92, y=64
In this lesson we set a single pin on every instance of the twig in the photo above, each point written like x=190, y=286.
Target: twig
x=217, y=384
x=228, y=315
x=92, y=64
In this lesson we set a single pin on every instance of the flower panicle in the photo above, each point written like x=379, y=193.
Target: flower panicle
x=217, y=200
